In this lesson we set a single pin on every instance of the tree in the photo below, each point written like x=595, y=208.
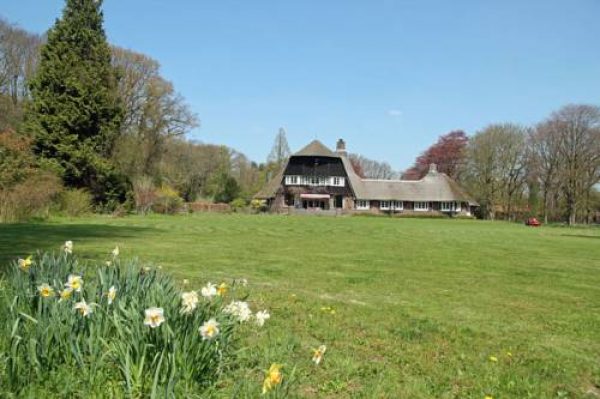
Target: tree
x=280, y=151
x=229, y=189
x=578, y=134
x=372, y=169
x=75, y=113
x=448, y=153
x=496, y=167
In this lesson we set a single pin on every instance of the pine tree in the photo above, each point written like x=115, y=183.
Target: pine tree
x=280, y=151
x=75, y=113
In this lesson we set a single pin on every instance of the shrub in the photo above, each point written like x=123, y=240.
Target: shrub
x=29, y=198
x=75, y=202
x=167, y=201
x=238, y=204
x=97, y=335
x=144, y=194
x=258, y=205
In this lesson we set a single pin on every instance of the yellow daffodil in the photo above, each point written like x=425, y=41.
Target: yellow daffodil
x=273, y=378
x=493, y=359
x=65, y=294
x=154, y=317
x=318, y=354
x=209, y=329
x=24, y=264
x=83, y=308
x=112, y=294
x=509, y=354
x=45, y=290
x=261, y=317
x=222, y=289
x=189, y=301
x=488, y=397
x=74, y=282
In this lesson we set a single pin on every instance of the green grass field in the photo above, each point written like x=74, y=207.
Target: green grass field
x=421, y=308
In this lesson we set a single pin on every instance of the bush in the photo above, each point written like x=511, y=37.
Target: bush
x=167, y=201
x=144, y=194
x=258, y=205
x=96, y=336
x=75, y=202
x=238, y=204
x=29, y=198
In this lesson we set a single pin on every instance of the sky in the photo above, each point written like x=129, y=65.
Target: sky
x=389, y=77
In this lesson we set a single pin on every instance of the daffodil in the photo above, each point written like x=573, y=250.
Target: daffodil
x=83, y=308
x=186, y=281
x=24, y=264
x=209, y=290
x=189, y=301
x=74, y=282
x=45, y=290
x=115, y=252
x=261, y=317
x=273, y=378
x=243, y=282
x=239, y=309
x=65, y=294
x=222, y=289
x=154, y=317
x=68, y=247
x=318, y=354
x=509, y=354
x=108, y=263
x=488, y=397
x=112, y=294
x=209, y=329
x=493, y=359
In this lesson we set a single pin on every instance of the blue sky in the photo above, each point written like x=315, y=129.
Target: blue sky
x=387, y=76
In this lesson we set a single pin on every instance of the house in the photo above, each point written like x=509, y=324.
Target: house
x=316, y=179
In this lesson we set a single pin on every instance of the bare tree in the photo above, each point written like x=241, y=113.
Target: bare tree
x=578, y=133
x=280, y=151
x=372, y=169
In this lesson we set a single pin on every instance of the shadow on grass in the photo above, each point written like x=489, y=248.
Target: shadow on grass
x=23, y=239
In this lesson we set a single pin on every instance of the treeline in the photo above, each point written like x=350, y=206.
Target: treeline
x=85, y=125
x=550, y=170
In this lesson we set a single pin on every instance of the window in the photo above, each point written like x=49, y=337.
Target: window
x=421, y=206
x=449, y=206
x=397, y=205
x=291, y=180
x=384, y=205
x=338, y=181
x=362, y=204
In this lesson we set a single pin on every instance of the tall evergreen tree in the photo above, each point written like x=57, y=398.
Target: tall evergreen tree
x=280, y=151
x=75, y=113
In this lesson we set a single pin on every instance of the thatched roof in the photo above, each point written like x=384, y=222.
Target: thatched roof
x=316, y=149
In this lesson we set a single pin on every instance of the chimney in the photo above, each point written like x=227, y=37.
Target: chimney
x=432, y=169
x=340, y=147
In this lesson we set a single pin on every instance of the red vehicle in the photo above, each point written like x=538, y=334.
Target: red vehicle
x=532, y=222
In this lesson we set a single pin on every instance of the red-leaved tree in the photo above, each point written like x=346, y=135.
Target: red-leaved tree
x=448, y=153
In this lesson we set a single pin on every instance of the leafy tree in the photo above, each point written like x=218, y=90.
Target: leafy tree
x=75, y=113
x=448, y=153
x=229, y=189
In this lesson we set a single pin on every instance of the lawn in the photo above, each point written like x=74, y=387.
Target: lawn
x=408, y=308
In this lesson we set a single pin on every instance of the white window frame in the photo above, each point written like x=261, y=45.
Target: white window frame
x=419, y=208
x=338, y=181
x=397, y=205
x=384, y=205
x=449, y=206
x=291, y=180
x=362, y=205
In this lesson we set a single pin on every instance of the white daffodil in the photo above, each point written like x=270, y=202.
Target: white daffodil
x=115, y=252
x=239, y=309
x=83, y=308
x=261, y=317
x=154, y=317
x=74, y=282
x=318, y=354
x=112, y=294
x=45, y=290
x=189, y=301
x=209, y=290
x=243, y=282
x=209, y=329
x=68, y=247
x=186, y=281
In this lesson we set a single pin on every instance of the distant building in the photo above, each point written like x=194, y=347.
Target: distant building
x=316, y=179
